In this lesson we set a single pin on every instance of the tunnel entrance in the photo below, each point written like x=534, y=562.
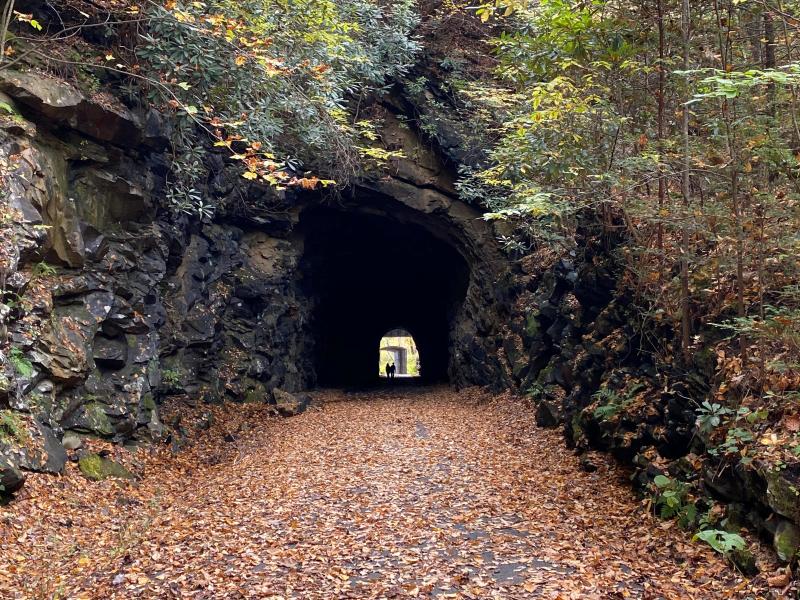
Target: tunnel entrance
x=397, y=348
x=368, y=272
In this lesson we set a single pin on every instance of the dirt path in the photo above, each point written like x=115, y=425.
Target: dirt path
x=430, y=495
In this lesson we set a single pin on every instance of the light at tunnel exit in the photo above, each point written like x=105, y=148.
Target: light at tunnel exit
x=397, y=349
x=369, y=275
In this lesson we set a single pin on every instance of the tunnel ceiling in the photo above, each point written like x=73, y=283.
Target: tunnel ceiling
x=369, y=274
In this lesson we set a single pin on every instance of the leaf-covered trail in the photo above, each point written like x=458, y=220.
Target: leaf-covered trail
x=424, y=494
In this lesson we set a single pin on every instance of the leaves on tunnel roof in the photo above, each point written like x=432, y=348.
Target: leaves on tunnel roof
x=425, y=494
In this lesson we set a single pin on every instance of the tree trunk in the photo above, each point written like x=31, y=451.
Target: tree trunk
x=662, y=180
x=685, y=192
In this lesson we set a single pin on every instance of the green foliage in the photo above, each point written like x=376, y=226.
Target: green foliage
x=5, y=106
x=673, y=137
x=735, y=439
x=27, y=18
x=610, y=402
x=188, y=200
x=42, y=269
x=20, y=362
x=726, y=85
x=12, y=429
x=737, y=434
x=723, y=542
x=272, y=82
x=535, y=391
x=672, y=501
x=709, y=416
x=172, y=377
x=777, y=324
x=562, y=62
x=613, y=405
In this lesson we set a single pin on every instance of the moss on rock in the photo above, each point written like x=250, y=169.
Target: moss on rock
x=786, y=540
x=256, y=392
x=745, y=561
x=783, y=491
x=97, y=419
x=98, y=468
x=12, y=428
x=532, y=324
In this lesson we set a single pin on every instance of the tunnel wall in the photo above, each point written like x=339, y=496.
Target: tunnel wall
x=306, y=304
x=367, y=274
x=284, y=303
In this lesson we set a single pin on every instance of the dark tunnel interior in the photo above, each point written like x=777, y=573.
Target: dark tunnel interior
x=369, y=274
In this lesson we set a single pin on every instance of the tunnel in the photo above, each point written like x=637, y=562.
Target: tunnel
x=372, y=273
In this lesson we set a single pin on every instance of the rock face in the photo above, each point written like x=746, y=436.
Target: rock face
x=63, y=104
x=111, y=301
x=787, y=540
x=84, y=263
x=571, y=345
x=118, y=301
x=11, y=478
x=30, y=445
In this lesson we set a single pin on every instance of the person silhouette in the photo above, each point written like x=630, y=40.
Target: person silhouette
x=392, y=370
x=388, y=370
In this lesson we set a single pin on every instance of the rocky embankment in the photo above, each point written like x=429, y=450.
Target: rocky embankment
x=576, y=347
x=110, y=303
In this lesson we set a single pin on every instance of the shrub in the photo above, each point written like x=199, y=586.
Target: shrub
x=709, y=416
x=723, y=542
x=271, y=82
x=672, y=500
x=42, y=269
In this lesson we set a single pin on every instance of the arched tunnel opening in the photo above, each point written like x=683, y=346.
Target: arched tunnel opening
x=371, y=273
x=398, y=355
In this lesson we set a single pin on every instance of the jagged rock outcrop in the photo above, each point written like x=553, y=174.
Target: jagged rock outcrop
x=83, y=262
x=111, y=301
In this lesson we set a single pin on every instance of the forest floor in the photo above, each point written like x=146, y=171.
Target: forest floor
x=424, y=493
